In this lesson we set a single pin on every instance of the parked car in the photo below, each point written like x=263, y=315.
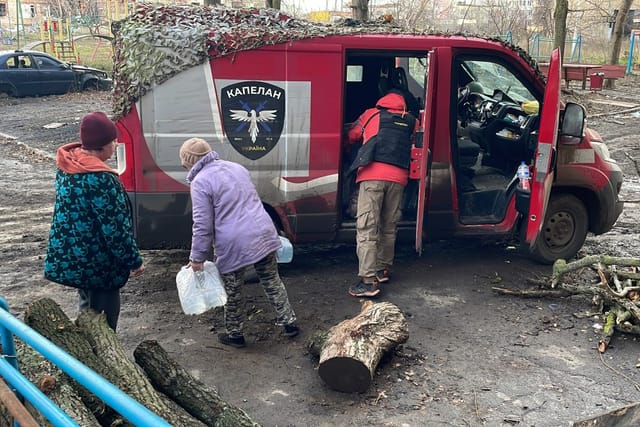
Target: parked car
x=34, y=73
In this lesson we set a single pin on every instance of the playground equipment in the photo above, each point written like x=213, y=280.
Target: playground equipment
x=129, y=408
x=540, y=48
x=65, y=48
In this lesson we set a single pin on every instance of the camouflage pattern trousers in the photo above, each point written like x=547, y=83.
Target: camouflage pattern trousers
x=267, y=271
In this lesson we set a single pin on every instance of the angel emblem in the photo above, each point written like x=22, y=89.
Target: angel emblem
x=254, y=117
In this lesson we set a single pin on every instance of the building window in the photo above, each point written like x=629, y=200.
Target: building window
x=3, y=9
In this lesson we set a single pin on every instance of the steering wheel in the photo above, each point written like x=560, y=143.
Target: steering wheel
x=485, y=110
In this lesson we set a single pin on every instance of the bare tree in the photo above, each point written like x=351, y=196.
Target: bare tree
x=415, y=13
x=361, y=10
x=618, y=30
x=503, y=16
x=560, y=25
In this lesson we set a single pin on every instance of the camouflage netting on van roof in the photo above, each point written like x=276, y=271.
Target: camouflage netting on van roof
x=158, y=42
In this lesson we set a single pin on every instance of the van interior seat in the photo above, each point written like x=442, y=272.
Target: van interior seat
x=468, y=152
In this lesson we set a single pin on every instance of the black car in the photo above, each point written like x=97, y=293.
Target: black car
x=34, y=73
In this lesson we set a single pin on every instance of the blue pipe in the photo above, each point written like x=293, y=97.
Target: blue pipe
x=630, y=61
x=8, y=347
x=31, y=393
x=126, y=406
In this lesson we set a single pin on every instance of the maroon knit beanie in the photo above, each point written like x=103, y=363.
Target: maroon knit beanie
x=96, y=131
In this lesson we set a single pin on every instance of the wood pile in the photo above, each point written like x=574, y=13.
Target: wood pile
x=156, y=381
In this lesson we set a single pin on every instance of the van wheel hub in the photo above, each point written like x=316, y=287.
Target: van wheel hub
x=559, y=229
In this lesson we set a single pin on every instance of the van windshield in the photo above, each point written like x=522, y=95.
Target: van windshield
x=494, y=77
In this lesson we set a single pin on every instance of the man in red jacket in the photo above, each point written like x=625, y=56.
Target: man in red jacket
x=386, y=132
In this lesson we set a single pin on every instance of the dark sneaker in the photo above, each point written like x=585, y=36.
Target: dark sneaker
x=232, y=340
x=383, y=275
x=290, y=331
x=361, y=289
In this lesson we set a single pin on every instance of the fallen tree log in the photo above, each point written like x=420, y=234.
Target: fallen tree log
x=128, y=377
x=92, y=337
x=354, y=347
x=55, y=384
x=200, y=400
x=47, y=318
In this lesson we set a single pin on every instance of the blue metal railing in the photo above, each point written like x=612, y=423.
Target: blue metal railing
x=126, y=406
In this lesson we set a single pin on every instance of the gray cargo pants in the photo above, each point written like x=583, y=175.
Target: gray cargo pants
x=376, y=224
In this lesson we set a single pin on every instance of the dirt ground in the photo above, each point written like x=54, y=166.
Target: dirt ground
x=473, y=357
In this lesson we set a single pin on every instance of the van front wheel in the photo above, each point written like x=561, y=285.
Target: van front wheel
x=564, y=230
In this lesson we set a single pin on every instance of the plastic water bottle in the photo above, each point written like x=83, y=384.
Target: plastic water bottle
x=285, y=253
x=523, y=176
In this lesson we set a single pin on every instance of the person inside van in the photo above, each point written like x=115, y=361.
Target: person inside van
x=382, y=165
x=229, y=217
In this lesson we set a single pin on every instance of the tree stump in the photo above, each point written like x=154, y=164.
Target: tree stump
x=354, y=347
x=200, y=400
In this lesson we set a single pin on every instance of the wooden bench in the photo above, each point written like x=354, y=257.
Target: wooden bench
x=582, y=72
x=612, y=71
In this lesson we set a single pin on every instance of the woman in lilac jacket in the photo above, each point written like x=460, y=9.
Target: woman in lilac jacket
x=228, y=215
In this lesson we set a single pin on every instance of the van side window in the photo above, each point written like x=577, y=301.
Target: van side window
x=354, y=73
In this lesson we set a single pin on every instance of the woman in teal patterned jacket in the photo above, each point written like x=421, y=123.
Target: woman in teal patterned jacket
x=91, y=244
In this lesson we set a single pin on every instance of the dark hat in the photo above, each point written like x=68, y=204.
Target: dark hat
x=97, y=130
x=192, y=150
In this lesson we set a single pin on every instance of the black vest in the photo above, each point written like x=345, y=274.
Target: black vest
x=393, y=141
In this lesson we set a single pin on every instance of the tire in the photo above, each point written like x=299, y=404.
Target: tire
x=565, y=228
x=90, y=85
x=9, y=90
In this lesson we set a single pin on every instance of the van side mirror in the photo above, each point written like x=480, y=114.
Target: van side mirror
x=573, y=121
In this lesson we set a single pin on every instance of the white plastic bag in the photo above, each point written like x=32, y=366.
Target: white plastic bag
x=200, y=291
x=285, y=253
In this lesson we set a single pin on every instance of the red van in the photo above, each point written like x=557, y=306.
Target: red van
x=282, y=111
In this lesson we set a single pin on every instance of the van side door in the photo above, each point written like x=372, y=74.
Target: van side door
x=545, y=156
x=420, y=153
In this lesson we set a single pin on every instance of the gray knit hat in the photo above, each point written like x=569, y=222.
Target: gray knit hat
x=192, y=150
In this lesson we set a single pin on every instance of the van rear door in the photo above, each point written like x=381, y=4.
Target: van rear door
x=420, y=154
x=545, y=158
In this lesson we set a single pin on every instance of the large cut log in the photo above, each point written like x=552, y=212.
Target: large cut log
x=55, y=384
x=128, y=377
x=354, y=347
x=200, y=400
x=90, y=337
x=47, y=318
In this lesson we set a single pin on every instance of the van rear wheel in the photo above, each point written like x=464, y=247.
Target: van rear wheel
x=564, y=230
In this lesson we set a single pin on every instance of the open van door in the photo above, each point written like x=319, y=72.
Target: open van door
x=545, y=157
x=420, y=153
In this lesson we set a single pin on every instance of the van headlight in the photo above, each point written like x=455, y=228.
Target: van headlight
x=603, y=151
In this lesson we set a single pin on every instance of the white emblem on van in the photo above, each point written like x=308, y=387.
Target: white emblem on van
x=253, y=118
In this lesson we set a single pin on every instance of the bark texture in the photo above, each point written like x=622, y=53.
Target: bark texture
x=618, y=35
x=200, y=400
x=87, y=339
x=354, y=347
